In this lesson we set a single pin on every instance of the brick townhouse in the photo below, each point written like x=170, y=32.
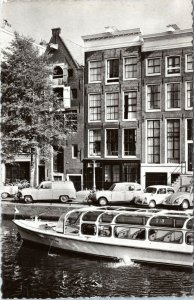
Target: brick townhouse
x=166, y=106
x=112, y=107
x=138, y=107
x=66, y=59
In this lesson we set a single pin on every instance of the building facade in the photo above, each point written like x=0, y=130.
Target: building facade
x=66, y=60
x=138, y=107
x=167, y=105
x=112, y=108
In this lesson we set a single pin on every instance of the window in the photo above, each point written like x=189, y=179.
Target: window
x=112, y=106
x=58, y=159
x=173, y=141
x=59, y=92
x=166, y=236
x=173, y=65
x=112, y=74
x=104, y=230
x=70, y=72
x=116, y=173
x=153, y=66
x=94, y=142
x=153, y=142
x=94, y=107
x=123, y=232
x=153, y=96
x=112, y=142
x=189, y=99
x=129, y=142
x=189, y=143
x=173, y=95
x=57, y=72
x=70, y=118
x=188, y=63
x=95, y=71
x=75, y=151
x=130, y=67
x=74, y=93
x=130, y=105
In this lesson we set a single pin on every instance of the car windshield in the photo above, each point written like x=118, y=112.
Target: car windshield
x=186, y=189
x=117, y=187
x=150, y=190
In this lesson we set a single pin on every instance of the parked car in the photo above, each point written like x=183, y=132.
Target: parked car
x=123, y=192
x=8, y=191
x=49, y=190
x=183, y=198
x=154, y=195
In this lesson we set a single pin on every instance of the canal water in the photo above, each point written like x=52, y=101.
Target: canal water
x=31, y=272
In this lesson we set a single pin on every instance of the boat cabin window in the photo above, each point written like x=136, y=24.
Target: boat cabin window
x=107, y=217
x=166, y=236
x=74, y=218
x=91, y=216
x=165, y=221
x=127, y=219
x=189, y=238
x=190, y=224
x=105, y=231
x=133, y=233
x=88, y=229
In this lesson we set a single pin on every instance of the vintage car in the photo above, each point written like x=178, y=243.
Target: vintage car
x=123, y=192
x=154, y=195
x=8, y=191
x=183, y=198
x=48, y=191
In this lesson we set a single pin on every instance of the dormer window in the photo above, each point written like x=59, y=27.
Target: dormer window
x=112, y=71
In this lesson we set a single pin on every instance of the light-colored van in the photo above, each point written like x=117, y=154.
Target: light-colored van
x=62, y=191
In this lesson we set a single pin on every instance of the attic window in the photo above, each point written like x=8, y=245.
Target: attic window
x=57, y=72
x=70, y=72
x=74, y=93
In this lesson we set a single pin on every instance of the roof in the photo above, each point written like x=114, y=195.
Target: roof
x=76, y=51
x=166, y=34
x=111, y=34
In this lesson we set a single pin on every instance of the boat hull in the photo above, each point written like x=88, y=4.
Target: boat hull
x=107, y=250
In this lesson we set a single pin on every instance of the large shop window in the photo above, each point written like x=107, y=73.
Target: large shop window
x=173, y=95
x=130, y=105
x=129, y=142
x=173, y=141
x=112, y=142
x=94, y=107
x=112, y=74
x=112, y=106
x=153, y=141
x=153, y=96
x=95, y=142
x=95, y=71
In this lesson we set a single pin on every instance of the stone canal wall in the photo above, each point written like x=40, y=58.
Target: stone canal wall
x=43, y=211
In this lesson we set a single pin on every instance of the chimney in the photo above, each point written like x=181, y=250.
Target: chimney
x=172, y=28
x=56, y=31
x=110, y=29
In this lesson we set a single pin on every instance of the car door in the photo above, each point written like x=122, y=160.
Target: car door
x=45, y=191
x=118, y=194
x=130, y=193
x=161, y=195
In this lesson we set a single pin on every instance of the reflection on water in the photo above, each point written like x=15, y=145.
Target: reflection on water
x=32, y=272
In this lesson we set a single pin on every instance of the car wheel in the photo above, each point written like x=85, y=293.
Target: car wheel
x=64, y=198
x=102, y=201
x=185, y=205
x=28, y=199
x=152, y=204
x=4, y=195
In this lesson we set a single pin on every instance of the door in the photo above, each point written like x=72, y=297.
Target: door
x=45, y=192
x=130, y=193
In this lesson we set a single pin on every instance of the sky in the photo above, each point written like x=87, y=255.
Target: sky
x=76, y=18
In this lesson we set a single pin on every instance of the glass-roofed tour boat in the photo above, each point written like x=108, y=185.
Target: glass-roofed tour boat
x=139, y=235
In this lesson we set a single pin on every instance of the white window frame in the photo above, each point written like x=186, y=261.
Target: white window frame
x=166, y=142
x=123, y=140
x=157, y=109
x=124, y=65
x=146, y=143
x=106, y=71
x=113, y=120
x=89, y=67
x=89, y=155
x=186, y=61
x=166, y=100
x=123, y=104
x=168, y=68
x=94, y=121
x=186, y=100
x=187, y=142
x=153, y=74
x=105, y=149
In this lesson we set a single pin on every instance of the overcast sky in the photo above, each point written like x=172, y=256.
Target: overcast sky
x=35, y=18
